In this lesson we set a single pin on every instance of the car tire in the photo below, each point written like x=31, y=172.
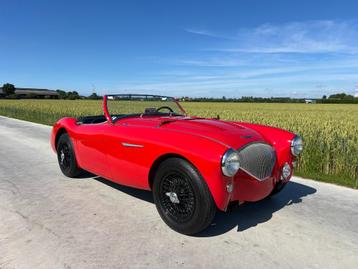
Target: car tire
x=182, y=197
x=277, y=189
x=66, y=157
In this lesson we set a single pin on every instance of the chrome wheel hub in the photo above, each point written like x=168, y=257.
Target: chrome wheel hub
x=173, y=197
x=62, y=156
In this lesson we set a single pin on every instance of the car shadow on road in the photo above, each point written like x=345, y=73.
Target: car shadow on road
x=249, y=215
x=137, y=193
x=243, y=217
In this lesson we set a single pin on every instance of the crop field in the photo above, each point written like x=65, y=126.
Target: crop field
x=330, y=132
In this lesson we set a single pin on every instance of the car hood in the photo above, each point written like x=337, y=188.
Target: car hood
x=232, y=134
x=229, y=133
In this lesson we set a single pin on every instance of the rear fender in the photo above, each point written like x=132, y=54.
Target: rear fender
x=64, y=124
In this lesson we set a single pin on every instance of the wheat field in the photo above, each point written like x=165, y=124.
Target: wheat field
x=330, y=131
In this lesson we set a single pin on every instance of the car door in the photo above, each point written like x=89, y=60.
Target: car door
x=91, y=152
x=127, y=155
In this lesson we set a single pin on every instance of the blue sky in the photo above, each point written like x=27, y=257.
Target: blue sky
x=194, y=48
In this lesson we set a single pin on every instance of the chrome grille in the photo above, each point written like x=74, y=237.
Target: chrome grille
x=258, y=160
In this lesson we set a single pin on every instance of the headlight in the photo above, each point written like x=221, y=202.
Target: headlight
x=296, y=145
x=230, y=163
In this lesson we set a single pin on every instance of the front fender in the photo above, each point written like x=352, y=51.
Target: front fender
x=204, y=153
x=280, y=139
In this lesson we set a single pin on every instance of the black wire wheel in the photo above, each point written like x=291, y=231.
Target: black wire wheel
x=66, y=157
x=182, y=197
x=177, y=197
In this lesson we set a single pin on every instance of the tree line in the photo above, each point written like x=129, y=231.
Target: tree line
x=338, y=98
x=72, y=95
x=8, y=92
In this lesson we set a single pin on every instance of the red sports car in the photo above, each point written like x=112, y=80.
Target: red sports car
x=193, y=165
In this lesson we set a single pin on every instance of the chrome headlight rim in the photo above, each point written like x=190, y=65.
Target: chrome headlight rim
x=226, y=161
x=296, y=145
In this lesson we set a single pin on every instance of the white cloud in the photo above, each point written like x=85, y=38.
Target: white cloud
x=205, y=33
x=293, y=37
x=290, y=85
x=288, y=59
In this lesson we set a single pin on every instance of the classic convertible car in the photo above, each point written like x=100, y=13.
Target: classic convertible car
x=193, y=165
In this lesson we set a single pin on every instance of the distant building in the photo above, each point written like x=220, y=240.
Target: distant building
x=33, y=93
x=310, y=101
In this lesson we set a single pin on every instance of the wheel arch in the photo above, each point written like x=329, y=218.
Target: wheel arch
x=209, y=171
x=159, y=160
x=60, y=132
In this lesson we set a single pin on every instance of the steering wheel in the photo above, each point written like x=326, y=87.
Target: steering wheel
x=165, y=107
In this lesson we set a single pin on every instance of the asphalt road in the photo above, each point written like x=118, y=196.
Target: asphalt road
x=50, y=221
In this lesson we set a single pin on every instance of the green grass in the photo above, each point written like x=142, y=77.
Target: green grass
x=330, y=131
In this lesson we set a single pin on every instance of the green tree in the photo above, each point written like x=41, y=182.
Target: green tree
x=94, y=96
x=8, y=89
x=61, y=94
x=341, y=96
x=73, y=95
